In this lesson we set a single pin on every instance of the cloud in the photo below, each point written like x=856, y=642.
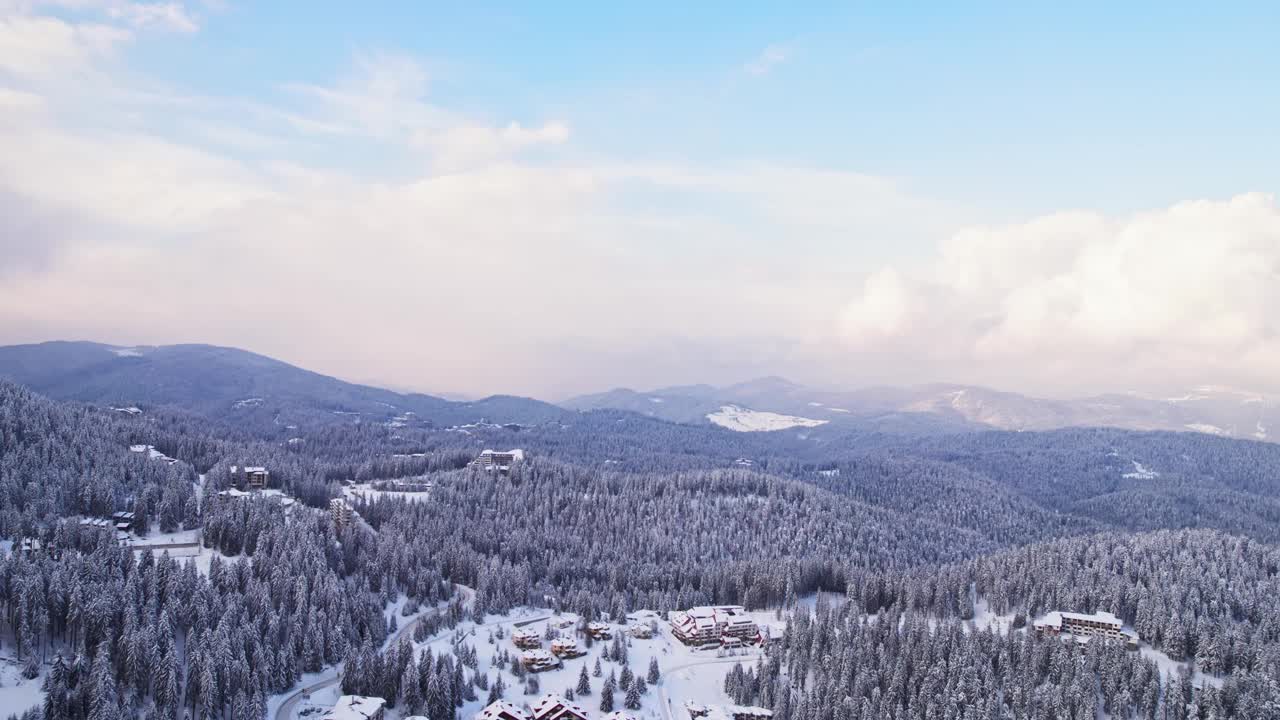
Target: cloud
x=766, y=61
x=163, y=15
x=459, y=146
x=38, y=47
x=365, y=228
x=143, y=214
x=1185, y=294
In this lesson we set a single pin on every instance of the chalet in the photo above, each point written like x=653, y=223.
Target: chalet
x=526, y=638
x=1099, y=624
x=708, y=625
x=120, y=536
x=539, y=660
x=356, y=707
x=341, y=512
x=565, y=648
x=503, y=710
x=640, y=632
x=599, y=630
x=491, y=460
x=696, y=710
x=30, y=546
x=123, y=521
x=555, y=707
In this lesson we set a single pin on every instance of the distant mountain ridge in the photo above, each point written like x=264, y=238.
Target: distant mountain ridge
x=239, y=386
x=247, y=388
x=1211, y=410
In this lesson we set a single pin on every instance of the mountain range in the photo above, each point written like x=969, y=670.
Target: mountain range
x=243, y=387
x=1213, y=410
x=238, y=386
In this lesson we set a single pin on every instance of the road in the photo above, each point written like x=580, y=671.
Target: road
x=665, y=702
x=285, y=711
x=164, y=546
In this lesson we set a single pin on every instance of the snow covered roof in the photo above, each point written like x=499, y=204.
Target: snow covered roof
x=554, y=707
x=619, y=715
x=1055, y=618
x=501, y=710
x=708, y=617
x=355, y=707
x=564, y=644
x=255, y=469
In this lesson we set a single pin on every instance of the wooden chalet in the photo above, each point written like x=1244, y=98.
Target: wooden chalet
x=554, y=707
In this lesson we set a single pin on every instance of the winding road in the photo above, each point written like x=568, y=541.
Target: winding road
x=286, y=709
x=665, y=702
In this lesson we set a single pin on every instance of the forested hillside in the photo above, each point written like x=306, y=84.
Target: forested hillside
x=613, y=512
x=238, y=386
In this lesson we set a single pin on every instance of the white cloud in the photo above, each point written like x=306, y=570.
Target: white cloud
x=766, y=61
x=141, y=215
x=459, y=146
x=1185, y=294
x=39, y=47
x=163, y=15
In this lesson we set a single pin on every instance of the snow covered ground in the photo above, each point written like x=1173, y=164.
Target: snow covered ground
x=183, y=546
x=1141, y=472
x=687, y=674
x=16, y=692
x=984, y=618
x=152, y=453
x=1207, y=429
x=366, y=492
x=742, y=419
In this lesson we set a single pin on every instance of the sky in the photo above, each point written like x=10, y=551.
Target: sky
x=556, y=198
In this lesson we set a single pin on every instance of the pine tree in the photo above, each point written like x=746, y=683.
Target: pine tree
x=632, y=700
x=584, y=683
x=606, y=698
x=654, y=673
x=410, y=693
x=103, y=701
x=624, y=679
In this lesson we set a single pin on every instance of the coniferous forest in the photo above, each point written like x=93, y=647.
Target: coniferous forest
x=923, y=537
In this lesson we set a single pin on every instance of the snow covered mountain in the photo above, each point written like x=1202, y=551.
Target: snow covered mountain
x=239, y=386
x=939, y=408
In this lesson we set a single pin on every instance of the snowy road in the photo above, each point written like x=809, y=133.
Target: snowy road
x=665, y=702
x=334, y=675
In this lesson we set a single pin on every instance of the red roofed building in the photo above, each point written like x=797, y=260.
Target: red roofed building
x=502, y=710
x=554, y=707
x=707, y=625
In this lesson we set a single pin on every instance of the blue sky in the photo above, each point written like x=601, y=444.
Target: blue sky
x=1164, y=99
x=1009, y=106
x=735, y=188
